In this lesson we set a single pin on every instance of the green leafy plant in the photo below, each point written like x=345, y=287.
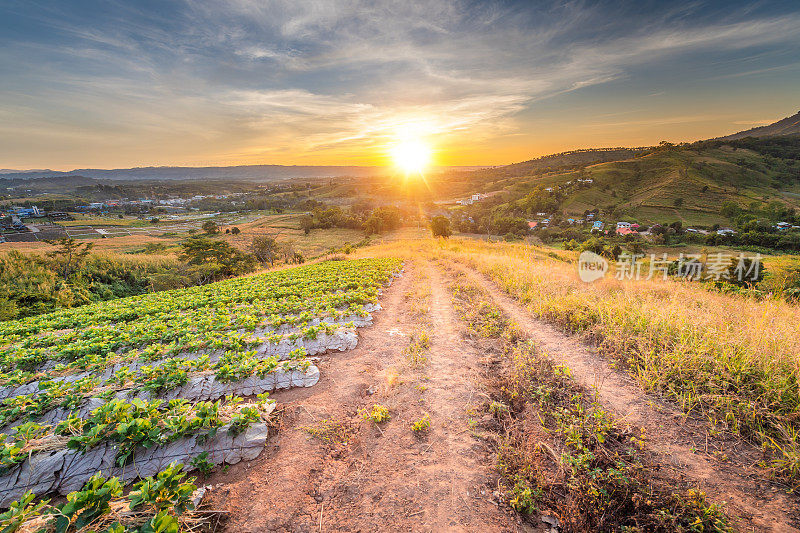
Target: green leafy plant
x=83, y=507
x=20, y=512
x=422, y=425
x=378, y=414
x=168, y=489
x=202, y=464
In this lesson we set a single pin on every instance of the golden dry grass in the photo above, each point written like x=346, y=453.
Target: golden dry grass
x=732, y=359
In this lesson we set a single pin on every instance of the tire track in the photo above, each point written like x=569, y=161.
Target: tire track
x=756, y=504
x=463, y=467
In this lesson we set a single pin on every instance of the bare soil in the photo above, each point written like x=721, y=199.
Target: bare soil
x=723, y=468
x=376, y=477
x=385, y=477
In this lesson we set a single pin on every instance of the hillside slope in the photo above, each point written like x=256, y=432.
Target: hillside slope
x=786, y=126
x=574, y=158
x=687, y=182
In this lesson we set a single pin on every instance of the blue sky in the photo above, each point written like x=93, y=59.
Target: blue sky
x=130, y=83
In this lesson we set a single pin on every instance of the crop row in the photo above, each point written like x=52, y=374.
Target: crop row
x=130, y=424
x=189, y=320
x=159, y=503
x=320, y=286
x=173, y=373
x=193, y=344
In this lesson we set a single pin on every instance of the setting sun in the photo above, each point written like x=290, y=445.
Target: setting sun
x=411, y=156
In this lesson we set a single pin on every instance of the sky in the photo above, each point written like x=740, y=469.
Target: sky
x=115, y=84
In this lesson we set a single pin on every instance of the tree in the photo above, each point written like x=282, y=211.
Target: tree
x=440, y=226
x=69, y=256
x=636, y=247
x=287, y=251
x=306, y=223
x=373, y=225
x=210, y=227
x=214, y=260
x=389, y=216
x=265, y=248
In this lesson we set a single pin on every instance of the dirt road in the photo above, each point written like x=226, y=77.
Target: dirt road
x=754, y=502
x=370, y=477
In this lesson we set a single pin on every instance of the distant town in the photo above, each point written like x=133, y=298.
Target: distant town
x=34, y=223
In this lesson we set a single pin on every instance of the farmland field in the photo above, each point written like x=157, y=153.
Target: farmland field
x=494, y=389
x=130, y=386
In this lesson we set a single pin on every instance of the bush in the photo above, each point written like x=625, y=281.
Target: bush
x=440, y=226
x=210, y=227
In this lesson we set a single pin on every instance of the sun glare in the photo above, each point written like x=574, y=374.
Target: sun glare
x=411, y=156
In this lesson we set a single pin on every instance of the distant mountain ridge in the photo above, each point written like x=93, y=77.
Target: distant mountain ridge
x=237, y=173
x=573, y=158
x=17, y=171
x=786, y=126
x=243, y=172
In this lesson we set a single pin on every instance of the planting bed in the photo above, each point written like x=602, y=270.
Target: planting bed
x=129, y=386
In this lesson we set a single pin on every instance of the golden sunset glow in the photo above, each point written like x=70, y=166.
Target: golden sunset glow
x=335, y=83
x=411, y=156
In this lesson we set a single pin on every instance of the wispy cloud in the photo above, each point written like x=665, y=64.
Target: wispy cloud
x=252, y=78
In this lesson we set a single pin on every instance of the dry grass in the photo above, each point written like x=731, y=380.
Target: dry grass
x=731, y=359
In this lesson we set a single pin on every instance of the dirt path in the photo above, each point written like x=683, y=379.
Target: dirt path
x=756, y=503
x=460, y=468
x=382, y=478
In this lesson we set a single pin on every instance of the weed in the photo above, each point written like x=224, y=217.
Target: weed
x=202, y=464
x=422, y=425
x=525, y=498
x=418, y=345
x=498, y=409
x=330, y=431
x=377, y=414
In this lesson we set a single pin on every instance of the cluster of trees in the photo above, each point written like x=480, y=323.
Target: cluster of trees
x=774, y=211
x=212, y=260
x=70, y=275
x=267, y=250
x=206, y=260
x=360, y=216
x=787, y=242
x=505, y=215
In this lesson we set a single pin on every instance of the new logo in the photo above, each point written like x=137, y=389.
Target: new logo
x=591, y=266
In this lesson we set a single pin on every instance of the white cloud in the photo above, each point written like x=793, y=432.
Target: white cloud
x=273, y=75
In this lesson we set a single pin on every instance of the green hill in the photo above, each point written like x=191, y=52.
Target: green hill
x=561, y=161
x=691, y=183
x=687, y=182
